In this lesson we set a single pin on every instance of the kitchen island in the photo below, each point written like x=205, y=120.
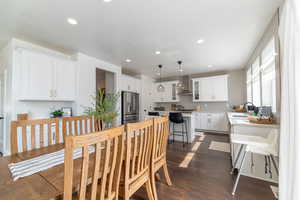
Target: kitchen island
x=190, y=121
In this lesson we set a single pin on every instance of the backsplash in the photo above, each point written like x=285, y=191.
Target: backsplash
x=186, y=101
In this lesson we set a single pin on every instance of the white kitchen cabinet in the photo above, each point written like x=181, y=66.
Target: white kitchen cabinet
x=45, y=78
x=169, y=95
x=211, y=121
x=210, y=89
x=130, y=84
x=64, y=81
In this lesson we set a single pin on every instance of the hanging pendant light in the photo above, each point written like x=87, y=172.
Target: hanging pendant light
x=160, y=87
x=180, y=70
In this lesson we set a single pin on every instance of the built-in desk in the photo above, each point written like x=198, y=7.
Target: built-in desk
x=239, y=124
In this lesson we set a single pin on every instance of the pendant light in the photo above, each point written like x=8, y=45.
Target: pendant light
x=160, y=87
x=180, y=70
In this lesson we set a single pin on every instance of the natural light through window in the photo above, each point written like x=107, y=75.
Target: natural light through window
x=189, y=156
x=261, y=78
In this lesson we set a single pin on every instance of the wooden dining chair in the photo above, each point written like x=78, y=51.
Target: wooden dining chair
x=101, y=162
x=137, y=159
x=78, y=125
x=159, y=158
x=34, y=134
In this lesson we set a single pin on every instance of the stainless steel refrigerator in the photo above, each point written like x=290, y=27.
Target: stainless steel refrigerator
x=130, y=107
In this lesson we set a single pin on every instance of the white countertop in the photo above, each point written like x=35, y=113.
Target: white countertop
x=241, y=119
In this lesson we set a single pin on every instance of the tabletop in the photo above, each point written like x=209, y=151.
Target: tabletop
x=33, y=187
x=43, y=185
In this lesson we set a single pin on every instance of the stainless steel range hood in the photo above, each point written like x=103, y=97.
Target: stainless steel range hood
x=187, y=89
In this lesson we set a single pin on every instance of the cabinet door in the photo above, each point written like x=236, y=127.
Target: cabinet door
x=206, y=89
x=197, y=121
x=203, y=121
x=174, y=92
x=196, y=90
x=64, y=80
x=220, y=88
x=37, y=76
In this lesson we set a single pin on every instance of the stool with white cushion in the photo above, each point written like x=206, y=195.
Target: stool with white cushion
x=255, y=144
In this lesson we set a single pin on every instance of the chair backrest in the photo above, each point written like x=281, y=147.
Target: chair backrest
x=78, y=125
x=176, y=117
x=102, y=158
x=161, y=134
x=34, y=134
x=138, y=150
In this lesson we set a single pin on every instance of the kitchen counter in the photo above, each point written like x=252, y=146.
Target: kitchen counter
x=241, y=119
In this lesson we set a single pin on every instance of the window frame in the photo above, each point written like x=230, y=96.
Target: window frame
x=259, y=58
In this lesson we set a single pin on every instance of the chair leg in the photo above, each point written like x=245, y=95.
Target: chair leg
x=182, y=132
x=153, y=186
x=149, y=190
x=275, y=164
x=186, y=132
x=173, y=132
x=237, y=158
x=166, y=173
x=270, y=166
x=239, y=174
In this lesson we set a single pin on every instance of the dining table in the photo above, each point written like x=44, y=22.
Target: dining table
x=44, y=185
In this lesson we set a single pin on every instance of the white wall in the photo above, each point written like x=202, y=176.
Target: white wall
x=86, y=84
x=146, y=96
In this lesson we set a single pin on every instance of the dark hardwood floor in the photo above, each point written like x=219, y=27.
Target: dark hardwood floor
x=203, y=174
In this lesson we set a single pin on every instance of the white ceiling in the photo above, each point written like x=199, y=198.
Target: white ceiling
x=135, y=29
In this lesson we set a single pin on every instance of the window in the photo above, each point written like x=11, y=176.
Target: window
x=261, y=78
x=256, y=83
x=268, y=76
x=249, y=85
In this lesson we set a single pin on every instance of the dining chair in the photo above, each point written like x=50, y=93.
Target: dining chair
x=34, y=134
x=159, y=158
x=139, y=140
x=78, y=125
x=102, y=157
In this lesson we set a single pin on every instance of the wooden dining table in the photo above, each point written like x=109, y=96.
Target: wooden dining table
x=43, y=185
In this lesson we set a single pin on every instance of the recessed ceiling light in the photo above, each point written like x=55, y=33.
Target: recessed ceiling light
x=157, y=52
x=210, y=66
x=107, y=1
x=200, y=41
x=128, y=60
x=72, y=21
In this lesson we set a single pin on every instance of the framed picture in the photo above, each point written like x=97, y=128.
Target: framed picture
x=67, y=111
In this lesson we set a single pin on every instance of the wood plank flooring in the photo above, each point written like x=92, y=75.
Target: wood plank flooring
x=198, y=173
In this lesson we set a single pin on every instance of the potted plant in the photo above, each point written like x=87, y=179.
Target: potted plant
x=56, y=113
x=104, y=108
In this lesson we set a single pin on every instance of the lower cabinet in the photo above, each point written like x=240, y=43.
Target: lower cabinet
x=211, y=121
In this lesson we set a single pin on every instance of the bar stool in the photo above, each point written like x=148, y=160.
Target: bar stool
x=177, y=118
x=258, y=145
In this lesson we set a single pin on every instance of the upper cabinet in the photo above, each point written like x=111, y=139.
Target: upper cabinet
x=130, y=84
x=169, y=95
x=210, y=89
x=45, y=78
